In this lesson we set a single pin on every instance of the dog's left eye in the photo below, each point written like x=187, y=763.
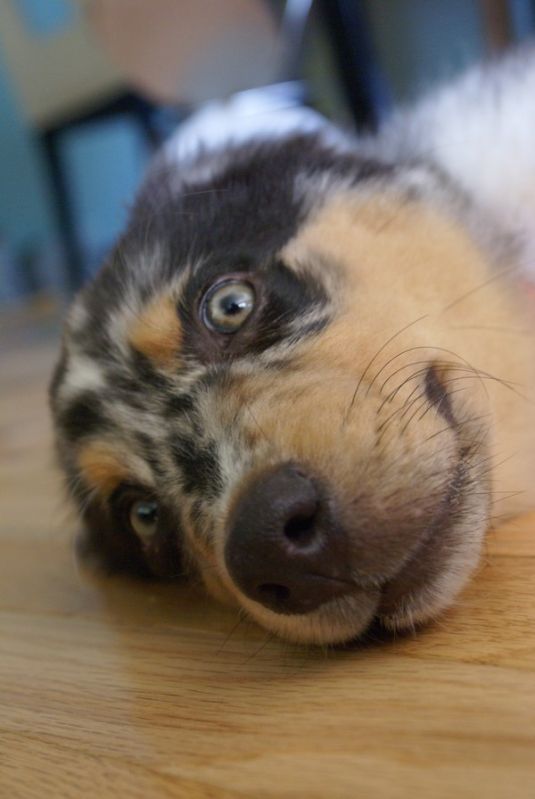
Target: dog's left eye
x=226, y=306
x=143, y=517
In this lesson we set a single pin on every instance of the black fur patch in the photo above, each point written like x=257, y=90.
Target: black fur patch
x=84, y=417
x=288, y=298
x=127, y=388
x=179, y=404
x=198, y=465
x=147, y=374
x=237, y=220
x=282, y=298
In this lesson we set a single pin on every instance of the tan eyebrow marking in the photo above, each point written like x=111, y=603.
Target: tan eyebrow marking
x=157, y=333
x=101, y=468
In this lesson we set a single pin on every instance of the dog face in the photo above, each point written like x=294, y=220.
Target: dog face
x=259, y=389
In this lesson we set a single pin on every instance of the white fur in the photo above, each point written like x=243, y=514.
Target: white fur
x=83, y=374
x=481, y=131
x=270, y=113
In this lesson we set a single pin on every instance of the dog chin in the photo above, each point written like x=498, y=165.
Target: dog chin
x=335, y=622
x=345, y=619
x=426, y=585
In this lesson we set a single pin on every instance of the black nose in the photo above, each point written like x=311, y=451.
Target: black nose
x=284, y=549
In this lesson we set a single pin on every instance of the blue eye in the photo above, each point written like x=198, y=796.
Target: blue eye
x=228, y=305
x=143, y=517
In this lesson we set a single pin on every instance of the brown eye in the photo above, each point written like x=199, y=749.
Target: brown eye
x=143, y=517
x=227, y=306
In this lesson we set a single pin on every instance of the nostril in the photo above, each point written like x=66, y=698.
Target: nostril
x=301, y=528
x=273, y=593
x=285, y=548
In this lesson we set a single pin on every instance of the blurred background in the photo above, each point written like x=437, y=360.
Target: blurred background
x=89, y=88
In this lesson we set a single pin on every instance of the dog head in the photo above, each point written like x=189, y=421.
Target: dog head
x=259, y=389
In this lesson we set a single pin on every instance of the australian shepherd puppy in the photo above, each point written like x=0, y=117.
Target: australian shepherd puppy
x=305, y=375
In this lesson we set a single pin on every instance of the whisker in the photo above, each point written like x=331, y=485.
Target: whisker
x=493, y=279
x=233, y=629
x=404, y=352
x=390, y=397
x=403, y=409
x=268, y=639
x=446, y=429
x=414, y=414
x=257, y=423
x=372, y=361
x=501, y=381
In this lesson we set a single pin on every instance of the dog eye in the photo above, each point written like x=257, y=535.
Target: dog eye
x=143, y=517
x=227, y=306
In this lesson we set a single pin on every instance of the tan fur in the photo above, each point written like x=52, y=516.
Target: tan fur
x=401, y=265
x=404, y=261
x=157, y=333
x=100, y=467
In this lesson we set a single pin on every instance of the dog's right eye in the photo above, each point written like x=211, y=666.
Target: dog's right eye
x=138, y=510
x=226, y=306
x=143, y=518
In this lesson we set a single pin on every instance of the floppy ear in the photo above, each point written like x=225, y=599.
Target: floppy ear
x=106, y=547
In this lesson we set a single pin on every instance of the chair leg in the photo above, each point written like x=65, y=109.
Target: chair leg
x=348, y=29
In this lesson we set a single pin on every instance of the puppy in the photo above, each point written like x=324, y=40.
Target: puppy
x=305, y=374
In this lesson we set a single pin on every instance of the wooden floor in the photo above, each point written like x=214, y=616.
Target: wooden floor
x=122, y=690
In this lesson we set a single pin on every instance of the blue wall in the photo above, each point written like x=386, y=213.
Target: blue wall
x=26, y=220
x=104, y=162
x=421, y=41
x=47, y=17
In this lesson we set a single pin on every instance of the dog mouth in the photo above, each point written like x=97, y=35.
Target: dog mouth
x=411, y=596
x=424, y=582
